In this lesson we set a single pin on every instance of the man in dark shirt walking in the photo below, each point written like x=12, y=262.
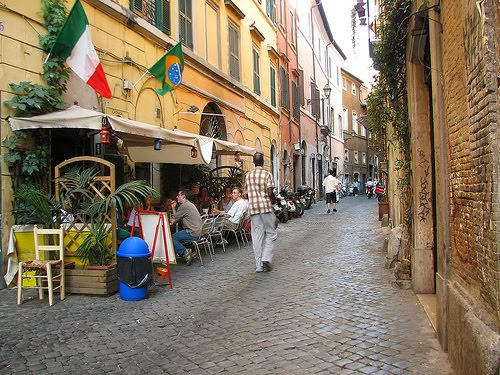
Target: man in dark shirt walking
x=259, y=189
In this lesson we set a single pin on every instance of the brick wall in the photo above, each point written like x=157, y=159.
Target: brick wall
x=471, y=110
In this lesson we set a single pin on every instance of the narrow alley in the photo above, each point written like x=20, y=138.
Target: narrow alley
x=327, y=307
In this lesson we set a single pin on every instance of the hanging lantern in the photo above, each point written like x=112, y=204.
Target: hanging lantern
x=157, y=144
x=194, y=152
x=104, y=135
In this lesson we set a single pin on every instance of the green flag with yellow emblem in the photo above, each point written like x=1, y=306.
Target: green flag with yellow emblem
x=169, y=69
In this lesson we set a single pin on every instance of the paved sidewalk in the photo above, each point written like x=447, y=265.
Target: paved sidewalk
x=327, y=307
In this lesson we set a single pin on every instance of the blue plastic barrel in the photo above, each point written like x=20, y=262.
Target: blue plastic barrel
x=133, y=247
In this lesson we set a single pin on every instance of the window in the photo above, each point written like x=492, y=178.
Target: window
x=356, y=157
x=332, y=120
x=371, y=158
x=272, y=78
x=353, y=88
x=363, y=131
x=212, y=28
x=338, y=76
x=344, y=83
x=363, y=158
x=234, y=51
x=256, y=71
x=301, y=88
x=341, y=125
x=295, y=100
x=354, y=123
x=285, y=89
x=281, y=9
x=346, y=154
x=315, y=101
x=156, y=12
x=330, y=67
x=186, y=23
x=344, y=120
x=271, y=10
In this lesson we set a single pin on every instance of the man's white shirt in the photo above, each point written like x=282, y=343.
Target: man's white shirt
x=237, y=210
x=330, y=183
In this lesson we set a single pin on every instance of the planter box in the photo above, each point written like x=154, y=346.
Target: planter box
x=103, y=281
x=383, y=208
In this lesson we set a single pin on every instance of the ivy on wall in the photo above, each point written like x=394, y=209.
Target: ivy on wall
x=388, y=101
x=27, y=152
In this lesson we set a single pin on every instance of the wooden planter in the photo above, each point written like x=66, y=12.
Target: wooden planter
x=101, y=281
x=383, y=208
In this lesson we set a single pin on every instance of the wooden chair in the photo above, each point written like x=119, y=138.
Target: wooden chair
x=43, y=266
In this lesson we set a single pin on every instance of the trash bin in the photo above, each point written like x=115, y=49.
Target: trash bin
x=134, y=268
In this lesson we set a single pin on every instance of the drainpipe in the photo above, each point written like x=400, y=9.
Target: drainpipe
x=314, y=78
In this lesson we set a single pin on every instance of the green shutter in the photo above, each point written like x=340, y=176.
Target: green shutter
x=273, y=86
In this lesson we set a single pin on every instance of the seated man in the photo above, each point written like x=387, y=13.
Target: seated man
x=236, y=211
x=188, y=215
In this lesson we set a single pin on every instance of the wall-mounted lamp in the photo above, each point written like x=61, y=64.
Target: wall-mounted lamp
x=327, y=90
x=104, y=134
x=194, y=152
x=157, y=145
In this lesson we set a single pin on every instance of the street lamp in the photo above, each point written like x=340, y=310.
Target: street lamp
x=327, y=90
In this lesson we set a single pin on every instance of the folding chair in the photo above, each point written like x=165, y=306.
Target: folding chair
x=216, y=231
x=204, y=239
x=236, y=232
x=44, y=267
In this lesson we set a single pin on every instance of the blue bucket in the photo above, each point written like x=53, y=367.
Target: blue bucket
x=132, y=294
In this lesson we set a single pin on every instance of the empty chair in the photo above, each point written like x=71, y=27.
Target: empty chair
x=47, y=271
x=216, y=232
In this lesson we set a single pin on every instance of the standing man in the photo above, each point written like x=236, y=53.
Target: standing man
x=259, y=189
x=188, y=215
x=331, y=184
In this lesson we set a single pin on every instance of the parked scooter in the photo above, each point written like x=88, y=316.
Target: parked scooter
x=294, y=210
x=280, y=208
x=306, y=193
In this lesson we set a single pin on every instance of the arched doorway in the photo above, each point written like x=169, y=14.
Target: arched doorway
x=212, y=125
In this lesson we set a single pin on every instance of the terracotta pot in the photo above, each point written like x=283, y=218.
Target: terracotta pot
x=383, y=208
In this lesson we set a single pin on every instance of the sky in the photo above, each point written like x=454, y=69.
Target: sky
x=358, y=61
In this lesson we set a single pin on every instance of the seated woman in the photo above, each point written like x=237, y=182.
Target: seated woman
x=227, y=200
x=205, y=202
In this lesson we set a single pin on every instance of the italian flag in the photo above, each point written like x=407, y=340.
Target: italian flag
x=74, y=44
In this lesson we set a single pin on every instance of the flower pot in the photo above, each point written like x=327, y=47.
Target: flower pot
x=383, y=208
x=97, y=280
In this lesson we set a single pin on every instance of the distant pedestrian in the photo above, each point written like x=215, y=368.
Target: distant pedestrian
x=331, y=184
x=355, y=188
x=259, y=187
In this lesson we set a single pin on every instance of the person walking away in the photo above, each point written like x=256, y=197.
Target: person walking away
x=259, y=190
x=355, y=188
x=331, y=184
x=187, y=214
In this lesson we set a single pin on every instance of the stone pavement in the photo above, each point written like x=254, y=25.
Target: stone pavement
x=327, y=307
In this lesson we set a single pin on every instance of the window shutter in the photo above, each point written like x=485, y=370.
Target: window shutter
x=317, y=103
x=287, y=91
x=136, y=5
x=234, y=61
x=164, y=15
x=301, y=87
x=273, y=86
x=295, y=100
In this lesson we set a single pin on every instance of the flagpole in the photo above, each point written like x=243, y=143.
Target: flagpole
x=47, y=58
x=146, y=72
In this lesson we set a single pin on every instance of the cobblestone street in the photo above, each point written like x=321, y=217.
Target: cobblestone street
x=327, y=307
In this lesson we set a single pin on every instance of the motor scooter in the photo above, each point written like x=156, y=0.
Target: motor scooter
x=369, y=191
x=280, y=208
x=379, y=190
x=305, y=192
x=293, y=209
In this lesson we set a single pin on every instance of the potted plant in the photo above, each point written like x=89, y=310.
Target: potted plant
x=98, y=274
x=383, y=205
